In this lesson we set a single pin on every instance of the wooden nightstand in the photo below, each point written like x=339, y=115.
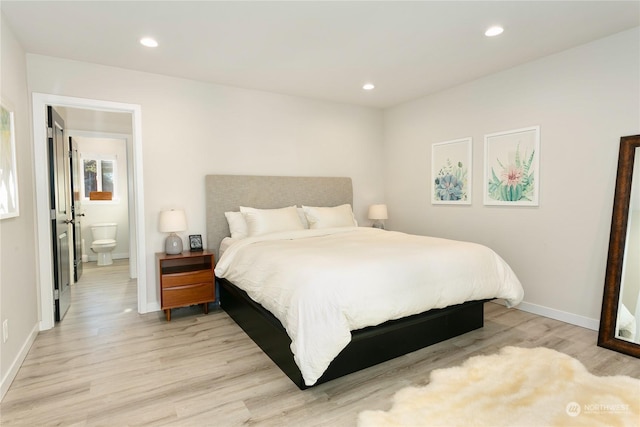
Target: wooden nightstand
x=186, y=279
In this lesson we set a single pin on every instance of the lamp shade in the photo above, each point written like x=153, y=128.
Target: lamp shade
x=378, y=212
x=172, y=221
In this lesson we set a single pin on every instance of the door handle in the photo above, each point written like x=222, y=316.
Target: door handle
x=68, y=221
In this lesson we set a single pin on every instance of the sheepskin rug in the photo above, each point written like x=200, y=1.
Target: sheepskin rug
x=516, y=387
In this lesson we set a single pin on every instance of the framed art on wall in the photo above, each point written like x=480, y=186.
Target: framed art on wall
x=8, y=170
x=451, y=172
x=511, y=167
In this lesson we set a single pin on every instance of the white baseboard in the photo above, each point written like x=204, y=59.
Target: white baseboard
x=563, y=316
x=153, y=306
x=17, y=362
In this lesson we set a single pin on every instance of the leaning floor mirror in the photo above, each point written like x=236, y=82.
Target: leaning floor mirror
x=620, y=318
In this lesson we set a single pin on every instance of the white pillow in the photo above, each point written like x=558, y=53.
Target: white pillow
x=264, y=221
x=237, y=225
x=339, y=216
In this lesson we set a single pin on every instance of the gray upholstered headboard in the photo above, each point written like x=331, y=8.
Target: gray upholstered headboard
x=228, y=192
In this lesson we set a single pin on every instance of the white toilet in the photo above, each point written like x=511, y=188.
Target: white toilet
x=104, y=241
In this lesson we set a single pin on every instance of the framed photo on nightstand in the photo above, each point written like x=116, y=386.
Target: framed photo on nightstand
x=195, y=242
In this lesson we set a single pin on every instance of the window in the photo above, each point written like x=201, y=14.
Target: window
x=99, y=174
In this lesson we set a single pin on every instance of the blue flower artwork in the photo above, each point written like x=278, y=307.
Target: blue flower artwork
x=451, y=169
x=450, y=183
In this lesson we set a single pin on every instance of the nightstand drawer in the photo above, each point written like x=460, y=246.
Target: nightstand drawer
x=187, y=278
x=188, y=295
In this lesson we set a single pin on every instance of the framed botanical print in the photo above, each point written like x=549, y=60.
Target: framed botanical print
x=9, y=206
x=511, y=167
x=451, y=172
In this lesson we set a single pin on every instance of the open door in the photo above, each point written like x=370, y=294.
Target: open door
x=76, y=209
x=60, y=212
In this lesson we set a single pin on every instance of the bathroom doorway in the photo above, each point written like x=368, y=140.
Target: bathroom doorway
x=98, y=114
x=103, y=168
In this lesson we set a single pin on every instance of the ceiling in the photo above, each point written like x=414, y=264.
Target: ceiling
x=325, y=49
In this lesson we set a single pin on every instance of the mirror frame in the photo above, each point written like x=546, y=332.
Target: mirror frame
x=619, y=222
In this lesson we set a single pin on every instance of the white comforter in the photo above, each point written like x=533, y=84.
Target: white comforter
x=322, y=284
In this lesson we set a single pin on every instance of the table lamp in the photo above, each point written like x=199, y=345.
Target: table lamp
x=170, y=222
x=378, y=213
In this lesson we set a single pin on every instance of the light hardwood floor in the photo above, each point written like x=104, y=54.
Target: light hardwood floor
x=106, y=365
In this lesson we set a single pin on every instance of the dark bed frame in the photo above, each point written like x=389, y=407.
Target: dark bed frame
x=368, y=346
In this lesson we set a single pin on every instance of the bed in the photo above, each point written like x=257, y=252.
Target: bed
x=366, y=345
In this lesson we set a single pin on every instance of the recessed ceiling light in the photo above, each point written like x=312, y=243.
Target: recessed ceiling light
x=368, y=86
x=148, y=42
x=494, y=31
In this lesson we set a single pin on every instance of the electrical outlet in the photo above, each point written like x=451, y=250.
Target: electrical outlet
x=5, y=330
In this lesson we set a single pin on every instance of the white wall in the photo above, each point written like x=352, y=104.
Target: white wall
x=18, y=295
x=101, y=211
x=96, y=121
x=190, y=129
x=584, y=99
